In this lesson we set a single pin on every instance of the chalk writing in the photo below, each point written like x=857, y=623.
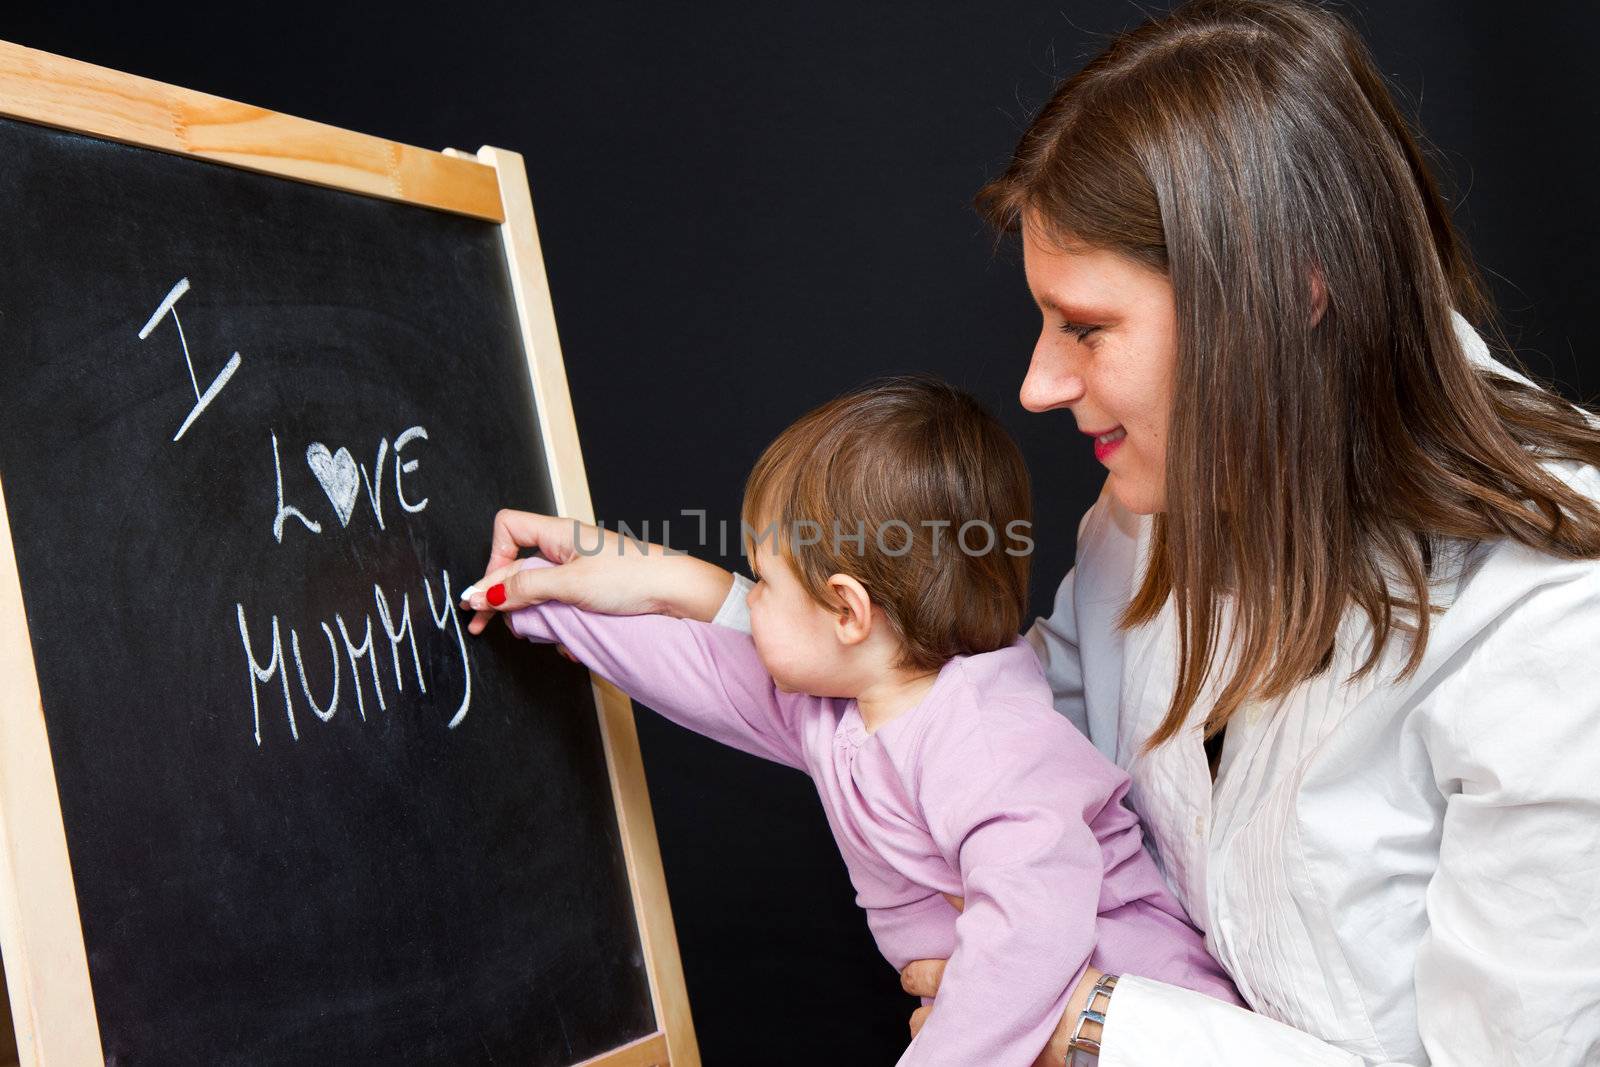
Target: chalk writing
x=336, y=471
x=406, y=468
x=342, y=478
x=446, y=612
x=276, y=665
x=286, y=511
x=169, y=306
x=300, y=665
x=375, y=493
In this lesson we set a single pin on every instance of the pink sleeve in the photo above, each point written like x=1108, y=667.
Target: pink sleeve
x=1011, y=801
x=703, y=677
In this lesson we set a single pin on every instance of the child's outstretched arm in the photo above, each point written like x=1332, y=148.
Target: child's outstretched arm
x=707, y=678
x=601, y=570
x=1010, y=800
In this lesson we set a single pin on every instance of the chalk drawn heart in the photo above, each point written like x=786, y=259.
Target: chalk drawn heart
x=339, y=477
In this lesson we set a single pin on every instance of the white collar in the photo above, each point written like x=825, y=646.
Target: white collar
x=1478, y=352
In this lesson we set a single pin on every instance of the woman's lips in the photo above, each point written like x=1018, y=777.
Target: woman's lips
x=1107, y=442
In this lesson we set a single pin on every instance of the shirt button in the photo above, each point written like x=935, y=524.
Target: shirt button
x=1200, y=824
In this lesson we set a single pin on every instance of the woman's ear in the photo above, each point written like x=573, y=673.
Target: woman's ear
x=853, y=623
x=1319, y=295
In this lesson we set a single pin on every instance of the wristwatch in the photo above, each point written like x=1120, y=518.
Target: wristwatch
x=1078, y=1044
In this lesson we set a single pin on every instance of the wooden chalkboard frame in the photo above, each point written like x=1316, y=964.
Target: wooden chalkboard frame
x=52, y=1002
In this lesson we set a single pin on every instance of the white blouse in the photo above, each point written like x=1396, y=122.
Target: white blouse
x=1400, y=874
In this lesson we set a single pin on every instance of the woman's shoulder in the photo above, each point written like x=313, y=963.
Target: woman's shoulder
x=1506, y=582
x=1517, y=642
x=1510, y=588
x=1513, y=711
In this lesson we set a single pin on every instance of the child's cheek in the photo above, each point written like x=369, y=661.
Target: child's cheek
x=775, y=658
x=759, y=635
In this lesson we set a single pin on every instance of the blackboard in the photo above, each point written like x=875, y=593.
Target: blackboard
x=253, y=433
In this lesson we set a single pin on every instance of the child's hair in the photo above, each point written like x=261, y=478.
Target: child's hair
x=910, y=487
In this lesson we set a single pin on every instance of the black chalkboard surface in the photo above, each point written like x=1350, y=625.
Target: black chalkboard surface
x=309, y=819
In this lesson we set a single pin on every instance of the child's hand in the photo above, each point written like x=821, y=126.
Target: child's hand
x=921, y=978
x=608, y=581
x=599, y=571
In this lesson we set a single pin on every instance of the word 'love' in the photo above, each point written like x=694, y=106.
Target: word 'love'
x=342, y=478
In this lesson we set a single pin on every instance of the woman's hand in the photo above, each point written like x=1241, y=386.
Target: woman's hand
x=624, y=577
x=921, y=978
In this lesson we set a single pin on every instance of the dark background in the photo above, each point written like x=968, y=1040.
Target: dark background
x=748, y=208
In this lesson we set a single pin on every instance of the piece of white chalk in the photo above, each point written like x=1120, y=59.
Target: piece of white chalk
x=469, y=592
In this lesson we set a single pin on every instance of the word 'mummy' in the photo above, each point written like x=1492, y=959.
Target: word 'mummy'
x=272, y=660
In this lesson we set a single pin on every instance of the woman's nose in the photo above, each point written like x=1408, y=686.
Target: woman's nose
x=1050, y=382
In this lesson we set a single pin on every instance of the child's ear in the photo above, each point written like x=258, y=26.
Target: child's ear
x=853, y=622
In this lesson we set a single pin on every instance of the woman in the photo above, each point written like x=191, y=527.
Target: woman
x=1336, y=610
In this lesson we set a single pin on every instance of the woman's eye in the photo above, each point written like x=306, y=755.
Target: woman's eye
x=1078, y=330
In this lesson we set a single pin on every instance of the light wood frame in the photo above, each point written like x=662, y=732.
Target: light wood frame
x=52, y=1002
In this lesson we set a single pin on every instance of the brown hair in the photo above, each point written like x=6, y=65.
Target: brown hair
x=878, y=485
x=1243, y=147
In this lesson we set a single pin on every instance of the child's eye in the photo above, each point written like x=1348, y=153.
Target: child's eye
x=1078, y=329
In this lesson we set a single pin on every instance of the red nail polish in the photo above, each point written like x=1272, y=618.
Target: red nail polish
x=496, y=594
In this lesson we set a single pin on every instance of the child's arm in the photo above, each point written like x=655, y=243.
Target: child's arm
x=1009, y=800
x=707, y=678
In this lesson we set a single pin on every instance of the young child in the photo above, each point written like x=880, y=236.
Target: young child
x=883, y=659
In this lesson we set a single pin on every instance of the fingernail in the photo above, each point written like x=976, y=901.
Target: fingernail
x=496, y=594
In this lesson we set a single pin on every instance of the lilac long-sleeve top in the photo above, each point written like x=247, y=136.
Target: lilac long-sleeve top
x=981, y=791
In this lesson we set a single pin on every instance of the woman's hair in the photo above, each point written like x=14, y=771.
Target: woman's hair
x=909, y=486
x=1244, y=148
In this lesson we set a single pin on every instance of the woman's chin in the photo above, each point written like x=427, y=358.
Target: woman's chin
x=1139, y=499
